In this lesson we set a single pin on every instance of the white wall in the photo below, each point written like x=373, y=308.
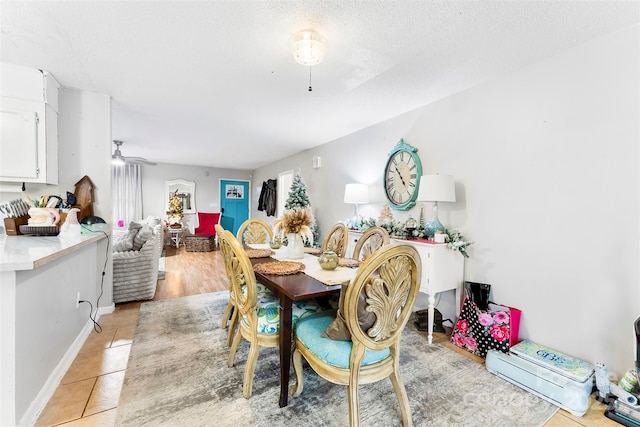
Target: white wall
x=546, y=165
x=154, y=200
x=84, y=141
x=84, y=129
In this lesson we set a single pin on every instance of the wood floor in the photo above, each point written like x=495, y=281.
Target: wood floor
x=88, y=393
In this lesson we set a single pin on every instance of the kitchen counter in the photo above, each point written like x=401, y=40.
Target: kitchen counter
x=42, y=322
x=31, y=252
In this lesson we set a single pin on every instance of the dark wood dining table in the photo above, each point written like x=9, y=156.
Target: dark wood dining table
x=289, y=288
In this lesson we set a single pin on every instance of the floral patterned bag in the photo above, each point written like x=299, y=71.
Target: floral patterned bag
x=479, y=331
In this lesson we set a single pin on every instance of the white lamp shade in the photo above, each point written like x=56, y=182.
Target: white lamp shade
x=356, y=193
x=437, y=188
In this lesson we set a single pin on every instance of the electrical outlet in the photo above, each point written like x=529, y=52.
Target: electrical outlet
x=78, y=300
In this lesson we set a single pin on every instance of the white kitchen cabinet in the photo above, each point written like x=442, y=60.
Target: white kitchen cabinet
x=442, y=270
x=29, y=126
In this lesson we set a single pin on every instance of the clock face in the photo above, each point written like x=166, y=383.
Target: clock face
x=401, y=177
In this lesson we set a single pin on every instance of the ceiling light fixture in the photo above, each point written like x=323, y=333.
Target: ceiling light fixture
x=308, y=48
x=118, y=159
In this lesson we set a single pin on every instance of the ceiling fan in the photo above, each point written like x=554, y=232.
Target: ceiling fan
x=117, y=157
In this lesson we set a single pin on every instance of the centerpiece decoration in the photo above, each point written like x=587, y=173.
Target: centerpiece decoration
x=174, y=213
x=328, y=260
x=295, y=224
x=276, y=242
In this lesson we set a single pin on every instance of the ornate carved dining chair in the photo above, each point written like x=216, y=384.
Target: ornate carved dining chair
x=372, y=240
x=259, y=317
x=254, y=230
x=387, y=285
x=336, y=240
x=230, y=315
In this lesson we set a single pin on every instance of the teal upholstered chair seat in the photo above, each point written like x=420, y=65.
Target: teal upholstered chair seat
x=262, y=290
x=265, y=297
x=335, y=353
x=268, y=312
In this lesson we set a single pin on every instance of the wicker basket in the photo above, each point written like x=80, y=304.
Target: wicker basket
x=205, y=243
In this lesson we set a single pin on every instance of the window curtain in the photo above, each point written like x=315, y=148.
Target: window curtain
x=126, y=186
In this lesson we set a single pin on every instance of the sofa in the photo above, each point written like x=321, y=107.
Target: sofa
x=136, y=255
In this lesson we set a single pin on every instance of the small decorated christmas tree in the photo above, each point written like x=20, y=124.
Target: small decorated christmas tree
x=175, y=207
x=385, y=214
x=298, y=197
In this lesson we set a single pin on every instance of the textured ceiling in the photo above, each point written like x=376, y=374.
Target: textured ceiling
x=214, y=84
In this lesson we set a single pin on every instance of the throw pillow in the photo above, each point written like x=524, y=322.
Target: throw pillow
x=126, y=242
x=338, y=330
x=145, y=233
x=153, y=220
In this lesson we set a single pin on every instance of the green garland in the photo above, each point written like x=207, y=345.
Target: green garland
x=454, y=240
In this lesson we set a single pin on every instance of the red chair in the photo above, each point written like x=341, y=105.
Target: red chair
x=207, y=223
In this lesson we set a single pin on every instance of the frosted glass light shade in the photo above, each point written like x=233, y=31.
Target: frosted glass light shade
x=308, y=47
x=437, y=188
x=356, y=193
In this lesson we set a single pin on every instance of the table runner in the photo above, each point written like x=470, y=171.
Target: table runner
x=312, y=267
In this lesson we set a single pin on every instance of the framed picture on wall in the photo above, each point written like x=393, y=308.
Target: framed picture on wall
x=234, y=191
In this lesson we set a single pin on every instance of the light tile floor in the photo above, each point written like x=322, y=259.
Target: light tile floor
x=88, y=393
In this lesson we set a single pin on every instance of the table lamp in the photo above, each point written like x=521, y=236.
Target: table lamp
x=436, y=188
x=356, y=193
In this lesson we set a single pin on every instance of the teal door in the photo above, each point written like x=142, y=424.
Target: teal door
x=234, y=204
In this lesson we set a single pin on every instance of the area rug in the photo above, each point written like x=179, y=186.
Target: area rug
x=178, y=376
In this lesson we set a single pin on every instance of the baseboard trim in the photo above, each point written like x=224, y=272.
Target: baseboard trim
x=38, y=404
x=106, y=310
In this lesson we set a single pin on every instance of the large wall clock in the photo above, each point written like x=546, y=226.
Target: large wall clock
x=402, y=176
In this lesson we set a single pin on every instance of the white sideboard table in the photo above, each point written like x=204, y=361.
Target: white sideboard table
x=442, y=270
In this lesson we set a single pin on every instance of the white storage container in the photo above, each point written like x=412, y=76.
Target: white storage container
x=560, y=379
